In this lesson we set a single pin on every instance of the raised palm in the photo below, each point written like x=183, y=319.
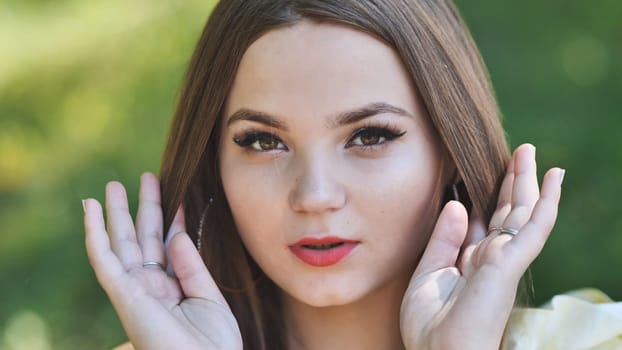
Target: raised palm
x=463, y=290
x=180, y=310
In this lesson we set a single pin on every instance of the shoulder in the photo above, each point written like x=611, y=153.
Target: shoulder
x=125, y=346
x=582, y=319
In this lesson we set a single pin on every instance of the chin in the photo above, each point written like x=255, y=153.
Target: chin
x=327, y=296
x=326, y=300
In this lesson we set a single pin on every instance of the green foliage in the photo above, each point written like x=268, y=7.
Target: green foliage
x=87, y=93
x=555, y=68
x=87, y=90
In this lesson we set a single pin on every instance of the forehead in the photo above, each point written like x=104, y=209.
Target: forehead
x=319, y=69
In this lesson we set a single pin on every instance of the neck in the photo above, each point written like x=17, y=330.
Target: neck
x=372, y=322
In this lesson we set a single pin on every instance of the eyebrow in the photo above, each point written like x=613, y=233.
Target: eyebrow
x=344, y=118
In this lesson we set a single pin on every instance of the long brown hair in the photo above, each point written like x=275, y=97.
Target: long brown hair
x=445, y=66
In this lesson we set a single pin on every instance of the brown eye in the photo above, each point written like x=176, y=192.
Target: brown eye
x=260, y=142
x=266, y=144
x=368, y=139
x=372, y=136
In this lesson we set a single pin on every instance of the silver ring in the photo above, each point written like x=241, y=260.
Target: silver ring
x=501, y=229
x=509, y=231
x=153, y=263
x=494, y=229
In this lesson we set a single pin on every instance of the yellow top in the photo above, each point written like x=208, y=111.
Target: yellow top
x=584, y=319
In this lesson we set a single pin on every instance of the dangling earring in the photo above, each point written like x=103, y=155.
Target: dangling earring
x=210, y=201
x=454, y=189
x=221, y=286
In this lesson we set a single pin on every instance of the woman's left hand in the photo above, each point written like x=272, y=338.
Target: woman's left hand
x=463, y=290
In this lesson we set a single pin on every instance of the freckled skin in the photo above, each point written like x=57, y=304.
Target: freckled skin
x=384, y=196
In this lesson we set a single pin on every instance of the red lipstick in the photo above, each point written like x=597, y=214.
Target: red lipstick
x=323, y=251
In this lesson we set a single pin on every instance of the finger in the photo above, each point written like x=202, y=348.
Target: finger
x=525, y=190
x=530, y=240
x=121, y=228
x=191, y=272
x=178, y=225
x=446, y=240
x=105, y=263
x=149, y=220
x=476, y=232
x=504, y=202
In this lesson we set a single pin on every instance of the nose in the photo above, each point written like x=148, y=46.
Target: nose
x=316, y=188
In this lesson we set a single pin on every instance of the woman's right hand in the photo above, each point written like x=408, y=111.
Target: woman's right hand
x=157, y=311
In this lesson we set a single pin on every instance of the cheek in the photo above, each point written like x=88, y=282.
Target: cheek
x=255, y=197
x=399, y=183
x=400, y=204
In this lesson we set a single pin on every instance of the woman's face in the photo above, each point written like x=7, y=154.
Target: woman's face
x=330, y=167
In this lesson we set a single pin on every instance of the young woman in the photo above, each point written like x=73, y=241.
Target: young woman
x=342, y=169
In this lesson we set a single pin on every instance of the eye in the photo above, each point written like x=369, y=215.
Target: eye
x=373, y=136
x=259, y=142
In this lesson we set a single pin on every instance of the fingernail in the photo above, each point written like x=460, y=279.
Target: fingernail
x=84, y=205
x=561, y=176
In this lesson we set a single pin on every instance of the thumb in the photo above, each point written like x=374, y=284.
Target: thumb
x=195, y=280
x=446, y=240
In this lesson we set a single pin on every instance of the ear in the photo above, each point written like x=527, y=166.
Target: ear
x=454, y=184
x=449, y=179
x=450, y=175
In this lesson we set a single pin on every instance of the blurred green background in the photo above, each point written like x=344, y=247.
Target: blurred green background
x=87, y=91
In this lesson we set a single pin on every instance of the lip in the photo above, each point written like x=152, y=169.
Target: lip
x=322, y=257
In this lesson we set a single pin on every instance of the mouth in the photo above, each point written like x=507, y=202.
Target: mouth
x=322, y=246
x=321, y=252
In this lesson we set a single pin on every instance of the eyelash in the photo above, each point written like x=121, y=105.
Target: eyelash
x=384, y=134
x=251, y=139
